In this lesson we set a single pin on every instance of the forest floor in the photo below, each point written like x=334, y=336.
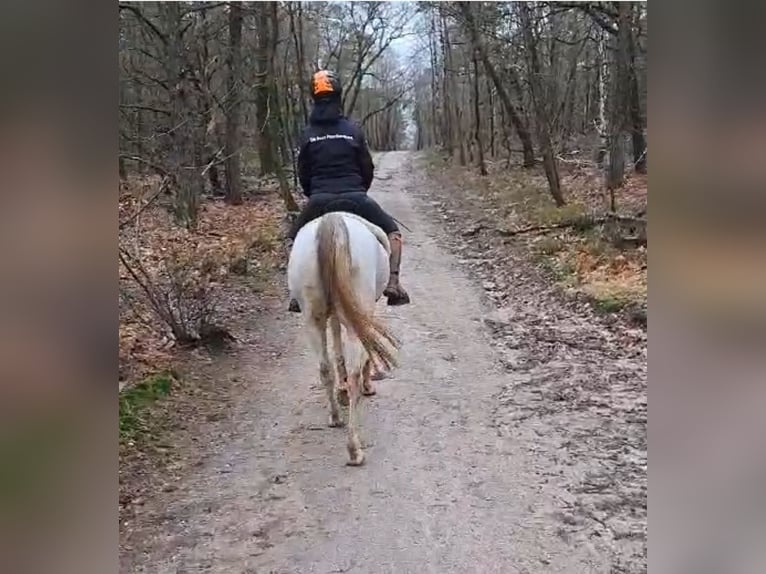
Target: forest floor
x=512, y=438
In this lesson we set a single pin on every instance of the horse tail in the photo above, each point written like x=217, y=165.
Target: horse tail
x=334, y=256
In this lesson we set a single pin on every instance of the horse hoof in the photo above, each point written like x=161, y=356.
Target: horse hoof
x=343, y=397
x=395, y=299
x=335, y=422
x=357, y=459
x=294, y=306
x=369, y=392
x=378, y=375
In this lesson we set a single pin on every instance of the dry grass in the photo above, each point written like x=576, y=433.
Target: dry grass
x=579, y=257
x=229, y=241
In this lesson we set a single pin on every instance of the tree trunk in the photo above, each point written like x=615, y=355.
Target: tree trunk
x=448, y=94
x=297, y=34
x=619, y=107
x=262, y=103
x=492, y=151
x=274, y=124
x=281, y=143
x=182, y=145
x=602, y=127
x=434, y=63
x=543, y=121
x=454, y=112
x=524, y=135
x=637, y=131
x=477, y=117
x=207, y=101
x=636, y=118
x=233, y=117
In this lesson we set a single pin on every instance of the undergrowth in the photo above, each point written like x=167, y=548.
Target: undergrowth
x=136, y=403
x=578, y=255
x=176, y=284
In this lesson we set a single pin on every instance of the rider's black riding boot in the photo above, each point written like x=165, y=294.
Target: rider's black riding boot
x=394, y=292
x=294, y=307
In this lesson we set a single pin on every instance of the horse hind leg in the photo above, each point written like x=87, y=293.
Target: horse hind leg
x=357, y=357
x=355, y=452
x=318, y=336
x=328, y=380
x=340, y=360
x=368, y=389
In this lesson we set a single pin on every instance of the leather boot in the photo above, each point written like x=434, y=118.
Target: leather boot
x=293, y=307
x=394, y=292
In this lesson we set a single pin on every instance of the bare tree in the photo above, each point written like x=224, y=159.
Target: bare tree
x=541, y=102
x=477, y=117
x=619, y=108
x=233, y=117
x=637, y=121
x=262, y=96
x=467, y=11
x=183, y=146
x=480, y=85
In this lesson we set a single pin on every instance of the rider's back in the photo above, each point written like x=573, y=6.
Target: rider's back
x=334, y=154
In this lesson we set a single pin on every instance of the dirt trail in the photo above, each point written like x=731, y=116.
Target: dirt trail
x=446, y=486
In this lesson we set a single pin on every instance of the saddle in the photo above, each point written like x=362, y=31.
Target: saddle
x=350, y=207
x=340, y=204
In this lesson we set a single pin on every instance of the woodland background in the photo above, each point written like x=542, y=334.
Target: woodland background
x=535, y=112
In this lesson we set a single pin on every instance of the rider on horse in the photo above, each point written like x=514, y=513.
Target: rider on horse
x=336, y=170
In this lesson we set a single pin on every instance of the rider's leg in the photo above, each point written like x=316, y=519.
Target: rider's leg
x=371, y=211
x=310, y=211
x=394, y=291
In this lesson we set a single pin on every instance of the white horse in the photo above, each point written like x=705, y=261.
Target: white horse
x=337, y=271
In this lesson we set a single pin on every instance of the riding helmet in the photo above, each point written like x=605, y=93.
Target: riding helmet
x=325, y=83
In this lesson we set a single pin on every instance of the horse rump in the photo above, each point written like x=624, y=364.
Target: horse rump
x=334, y=259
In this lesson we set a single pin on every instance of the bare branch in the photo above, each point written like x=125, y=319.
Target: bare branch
x=161, y=188
x=387, y=105
x=159, y=169
x=138, y=14
x=144, y=108
x=204, y=7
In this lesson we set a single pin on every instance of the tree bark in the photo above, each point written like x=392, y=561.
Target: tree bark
x=297, y=34
x=207, y=100
x=182, y=145
x=603, y=136
x=492, y=150
x=434, y=139
x=619, y=107
x=262, y=103
x=274, y=128
x=542, y=116
x=636, y=118
x=477, y=117
x=448, y=94
x=233, y=117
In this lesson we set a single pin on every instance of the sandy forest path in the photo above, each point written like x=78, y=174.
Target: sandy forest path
x=469, y=463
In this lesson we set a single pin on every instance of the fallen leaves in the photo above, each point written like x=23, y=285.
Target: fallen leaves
x=183, y=264
x=580, y=257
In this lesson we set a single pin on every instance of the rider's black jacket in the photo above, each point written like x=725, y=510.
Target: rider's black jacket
x=333, y=156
